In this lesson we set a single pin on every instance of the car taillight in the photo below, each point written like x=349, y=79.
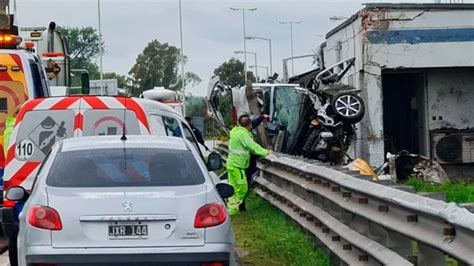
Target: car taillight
x=210, y=215
x=44, y=217
x=7, y=203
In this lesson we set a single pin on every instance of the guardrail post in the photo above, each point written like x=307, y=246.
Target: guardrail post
x=378, y=233
x=399, y=243
x=317, y=200
x=428, y=256
x=360, y=224
x=335, y=261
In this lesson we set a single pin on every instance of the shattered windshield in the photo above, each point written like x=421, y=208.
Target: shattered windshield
x=288, y=103
x=264, y=96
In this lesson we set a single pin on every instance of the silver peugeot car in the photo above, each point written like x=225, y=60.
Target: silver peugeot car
x=130, y=200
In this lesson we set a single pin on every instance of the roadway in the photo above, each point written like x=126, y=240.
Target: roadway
x=4, y=259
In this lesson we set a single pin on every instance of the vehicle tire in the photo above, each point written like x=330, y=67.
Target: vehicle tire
x=349, y=107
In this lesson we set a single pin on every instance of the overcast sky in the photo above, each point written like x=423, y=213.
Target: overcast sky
x=212, y=32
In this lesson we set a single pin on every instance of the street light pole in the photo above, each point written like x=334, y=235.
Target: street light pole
x=245, y=43
x=285, y=65
x=182, y=59
x=102, y=91
x=265, y=67
x=291, y=37
x=256, y=68
x=269, y=47
x=271, y=61
x=255, y=55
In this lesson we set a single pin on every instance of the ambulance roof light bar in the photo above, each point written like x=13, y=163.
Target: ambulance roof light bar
x=9, y=41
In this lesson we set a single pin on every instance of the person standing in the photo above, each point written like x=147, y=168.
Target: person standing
x=196, y=132
x=241, y=146
x=12, y=242
x=9, y=125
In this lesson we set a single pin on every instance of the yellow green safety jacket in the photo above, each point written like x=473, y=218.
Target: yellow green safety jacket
x=9, y=124
x=241, y=145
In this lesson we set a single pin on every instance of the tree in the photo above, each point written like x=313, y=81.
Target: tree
x=196, y=107
x=158, y=65
x=231, y=73
x=122, y=81
x=83, y=47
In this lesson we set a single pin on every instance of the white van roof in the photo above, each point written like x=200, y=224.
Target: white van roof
x=150, y=105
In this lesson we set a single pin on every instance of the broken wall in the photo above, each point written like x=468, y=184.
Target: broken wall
x=420, y=38
x=450, y=98
x=383, y=39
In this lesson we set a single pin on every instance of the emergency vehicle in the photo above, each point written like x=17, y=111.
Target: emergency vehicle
x=22, y=74
x=168, y=97
x=51, y=47
x=49, y=44
x=44, y=121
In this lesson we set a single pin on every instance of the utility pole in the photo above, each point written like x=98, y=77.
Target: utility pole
x=285, y=66
x=102, y=91
x=183, y=89
x=264, y=67
x=245, y=43
x=291, y=37
x=255, y=56
x=269, y=48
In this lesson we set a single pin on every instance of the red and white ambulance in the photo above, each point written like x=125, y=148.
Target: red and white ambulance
x=41, y=122
x=22, y=77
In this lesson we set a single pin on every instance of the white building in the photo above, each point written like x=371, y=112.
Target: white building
x=415, y=66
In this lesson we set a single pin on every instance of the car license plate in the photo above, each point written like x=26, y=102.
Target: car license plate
x=128, y=231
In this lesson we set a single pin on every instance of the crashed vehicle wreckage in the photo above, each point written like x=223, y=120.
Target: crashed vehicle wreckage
x=317, y=122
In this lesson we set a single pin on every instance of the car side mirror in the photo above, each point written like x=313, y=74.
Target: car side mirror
x=214, y=162
x=17, y=194
x=225, y=190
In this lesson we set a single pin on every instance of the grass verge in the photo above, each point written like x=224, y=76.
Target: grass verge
x=264, y=236
x=456, y=191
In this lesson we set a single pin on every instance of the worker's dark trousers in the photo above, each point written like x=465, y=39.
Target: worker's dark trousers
x=12, y=252
x=249, y=172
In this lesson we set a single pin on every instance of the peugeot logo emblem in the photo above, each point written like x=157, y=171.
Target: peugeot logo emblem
x=127, y=206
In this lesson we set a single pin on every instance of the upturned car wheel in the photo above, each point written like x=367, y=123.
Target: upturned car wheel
x=349, y=107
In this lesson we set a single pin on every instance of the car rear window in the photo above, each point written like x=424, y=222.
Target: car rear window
x=131, y=167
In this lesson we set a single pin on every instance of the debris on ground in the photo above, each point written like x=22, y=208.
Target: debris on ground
x=415, y=165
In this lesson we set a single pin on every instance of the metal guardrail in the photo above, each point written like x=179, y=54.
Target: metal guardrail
x=362, y=222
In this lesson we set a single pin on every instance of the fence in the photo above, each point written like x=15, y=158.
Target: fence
x=362, y=222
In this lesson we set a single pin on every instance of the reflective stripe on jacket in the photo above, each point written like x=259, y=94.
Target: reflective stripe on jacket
x=241, y=145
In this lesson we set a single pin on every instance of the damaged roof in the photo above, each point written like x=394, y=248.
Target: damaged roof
x=305, y=80
x=421, y=6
